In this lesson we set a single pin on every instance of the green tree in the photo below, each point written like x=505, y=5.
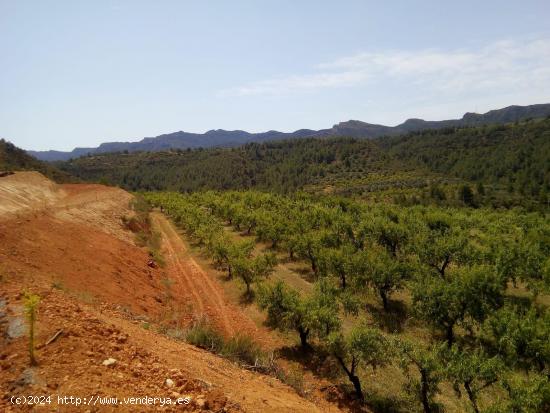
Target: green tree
x=286, y=310
x=466, y=195
x=424, y=385
x=525, y=395
x=520, y=335
x=362, y=346
x=390, y=233
x=316, y=314
x=442, y=243
x=468, y=294
x=526, y=259
x=309, y=247
x=382, y=272
x=225, y=253
x=251, y=270
x=340, y=263
x=472, y=369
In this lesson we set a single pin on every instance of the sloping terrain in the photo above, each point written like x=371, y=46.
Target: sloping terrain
x=27, y=191
x=67, y=244
x=13, y=158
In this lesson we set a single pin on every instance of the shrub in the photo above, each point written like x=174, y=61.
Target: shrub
x=241, y=348
x=204, y=336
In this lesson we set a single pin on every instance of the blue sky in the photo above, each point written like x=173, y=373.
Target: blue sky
x=78, y=73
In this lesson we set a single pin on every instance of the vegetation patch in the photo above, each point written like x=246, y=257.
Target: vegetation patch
x=140, y=224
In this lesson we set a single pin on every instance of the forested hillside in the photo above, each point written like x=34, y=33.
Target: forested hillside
x=516, y=156
x=509, y=163
x=279, y=166
x=14, y=159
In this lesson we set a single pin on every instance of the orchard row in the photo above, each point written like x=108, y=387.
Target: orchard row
x=459, y=266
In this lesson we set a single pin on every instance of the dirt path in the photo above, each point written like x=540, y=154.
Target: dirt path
x=207, y=295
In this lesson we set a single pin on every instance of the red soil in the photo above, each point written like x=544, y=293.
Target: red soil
x=67, y=243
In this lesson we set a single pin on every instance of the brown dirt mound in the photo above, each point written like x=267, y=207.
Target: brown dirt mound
x=26, y=191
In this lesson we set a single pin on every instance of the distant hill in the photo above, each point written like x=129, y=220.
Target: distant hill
x=352, y=128
x=282, y=166
x=13, y=158
x=513, y=158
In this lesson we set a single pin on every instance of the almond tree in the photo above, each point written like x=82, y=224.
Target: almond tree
x=251, y=270
x=470, y=294
x=360, y=348
x=423, y=385
x=472, y=369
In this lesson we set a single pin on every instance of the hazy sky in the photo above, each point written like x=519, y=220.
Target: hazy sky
x=78, y=73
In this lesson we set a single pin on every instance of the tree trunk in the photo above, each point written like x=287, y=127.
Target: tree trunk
x=424, y=390
x=384, y=298
x=449, y=335
x=304, y=333
x=313, y=264
x=471, y=396
x=32, y=318
x=343, y=280
x=357, y=386
x=353, y=378
x=444, y=267
x=229, y=273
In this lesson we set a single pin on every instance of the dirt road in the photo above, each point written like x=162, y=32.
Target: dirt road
x=202, y=290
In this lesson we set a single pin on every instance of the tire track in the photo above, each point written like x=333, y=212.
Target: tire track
x=206, y=294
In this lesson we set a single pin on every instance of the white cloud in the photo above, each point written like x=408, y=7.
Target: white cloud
x=509, y=65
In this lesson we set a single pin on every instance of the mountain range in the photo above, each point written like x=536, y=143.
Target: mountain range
x=351, y=128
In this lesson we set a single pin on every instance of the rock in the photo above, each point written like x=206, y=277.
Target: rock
x=30, y=377
x=216, y=400
x=109, y=362
x=16, y=327
x=200, y=402
x=169, y=383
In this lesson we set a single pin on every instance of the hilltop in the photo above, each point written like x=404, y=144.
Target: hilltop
x=351, y=128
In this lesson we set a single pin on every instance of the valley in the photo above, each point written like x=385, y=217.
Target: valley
x=404, y=273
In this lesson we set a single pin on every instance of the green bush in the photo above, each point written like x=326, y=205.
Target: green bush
x=204, y=336
x=242, y=349
x=239, y=349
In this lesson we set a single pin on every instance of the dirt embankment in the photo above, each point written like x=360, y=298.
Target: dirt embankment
x=67, y=244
